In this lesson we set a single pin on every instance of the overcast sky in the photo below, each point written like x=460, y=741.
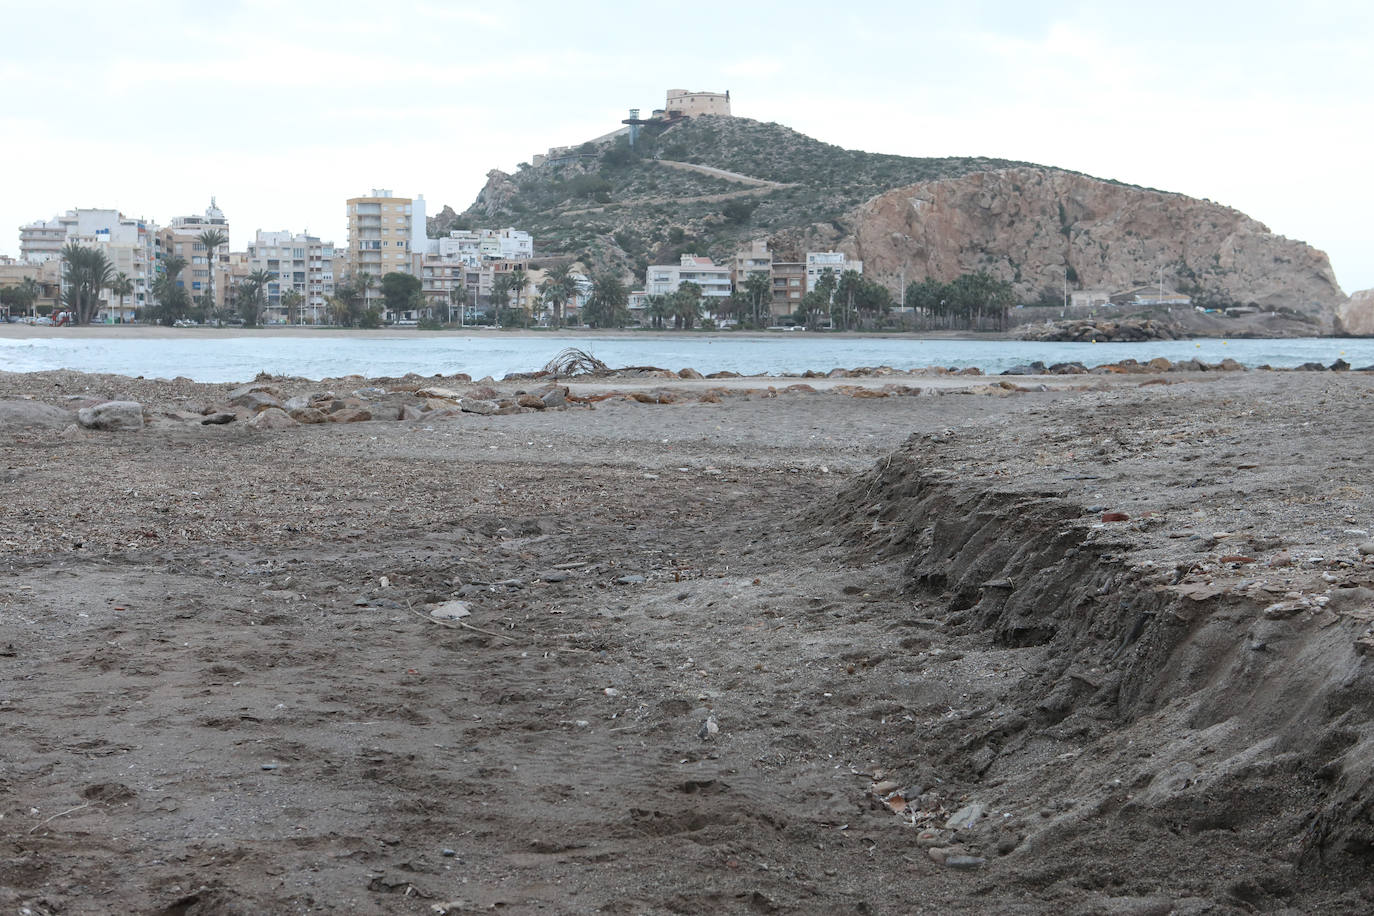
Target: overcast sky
x=283, y=110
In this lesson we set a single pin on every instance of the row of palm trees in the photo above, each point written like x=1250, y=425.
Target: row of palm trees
x=87, y=272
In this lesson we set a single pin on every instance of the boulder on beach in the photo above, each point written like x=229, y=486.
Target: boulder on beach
x=272, y=418
x=112, y=415
x=32, y=414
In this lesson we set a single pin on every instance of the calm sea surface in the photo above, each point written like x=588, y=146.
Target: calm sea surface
x=241, y=358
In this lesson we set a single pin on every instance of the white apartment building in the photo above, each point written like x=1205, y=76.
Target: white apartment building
x=714, y=279
x=818, y=262
x=43, y=240
x=513, y=244
x=470, y=258
x=301, y=262
x=127, y=242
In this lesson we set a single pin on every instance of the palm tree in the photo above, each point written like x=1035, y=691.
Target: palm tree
x=291, y=301
x=458, y=298
x=86, y=271
x=759, y=290
x=558, y=289
x=122, y=287
x=366, y=284
x=657, y=308
x=518, y=281
x=172, y=300
x=211, y=239
x=250, y=296
x=608, y=306
x=31, y=290
x=686, y=307
x=500, y=294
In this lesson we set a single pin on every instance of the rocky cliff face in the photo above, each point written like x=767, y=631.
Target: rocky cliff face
x=1356, y=315
x=496, y=193
x=1028, y=225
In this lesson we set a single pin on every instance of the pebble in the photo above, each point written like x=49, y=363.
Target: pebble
x=964, y=862
x=449, y=853
x=555, y=577
x=269, y=766
x=965, y=817
x=451, y=610
x=1366, y=549
x=708, y=729
x=630, y=580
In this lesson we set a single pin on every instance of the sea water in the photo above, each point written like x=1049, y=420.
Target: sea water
x=231, y=359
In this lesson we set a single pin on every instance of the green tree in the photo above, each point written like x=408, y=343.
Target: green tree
x=927, y=296
x=500, y=295
x=558, y=289
x=291, y=300
x=347, y=306
x=212, y=239
x=687, y=305
x=758, y=291
x=739, y=211
x=31, y=290
x=609, y=304
x=252, y=296
x=658, y=308
x=519, y=279
x=458, y=299
x=122, y=287
x=172, y=302
x=19, y=298
x=85, y=272
x=365, y=283
x=399, y=291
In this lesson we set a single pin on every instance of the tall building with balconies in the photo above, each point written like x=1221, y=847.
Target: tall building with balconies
x=299, y=262
x=385, y=234
x=818, y=262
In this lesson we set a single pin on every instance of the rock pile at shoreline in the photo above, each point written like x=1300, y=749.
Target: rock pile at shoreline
x=114, y=403
x=1099, y=330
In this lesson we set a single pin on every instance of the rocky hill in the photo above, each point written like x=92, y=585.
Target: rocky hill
x=710, y=184
x=1356, y=316
x=1030, y=225
x=632, y=208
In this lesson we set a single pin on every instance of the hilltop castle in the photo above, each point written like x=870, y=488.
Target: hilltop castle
x=678, y=105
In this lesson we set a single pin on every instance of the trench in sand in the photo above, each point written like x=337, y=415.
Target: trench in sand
x=1147, y=721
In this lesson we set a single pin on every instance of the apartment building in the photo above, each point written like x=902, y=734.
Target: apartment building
x=43, y=240
x=386, y=233
x=756, y=259
x=818, y=262
x=300, y=262
x=789, y=285
x=46, y=275
x=714, y=279
x=182, y=238
x=127, y=242
x=470, y=258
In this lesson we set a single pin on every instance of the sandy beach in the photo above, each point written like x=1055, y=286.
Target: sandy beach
x=895, y=644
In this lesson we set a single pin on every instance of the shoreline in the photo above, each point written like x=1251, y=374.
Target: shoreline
x=154, y=332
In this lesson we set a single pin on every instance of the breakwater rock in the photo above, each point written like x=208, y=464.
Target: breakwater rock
x=1100, y=329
